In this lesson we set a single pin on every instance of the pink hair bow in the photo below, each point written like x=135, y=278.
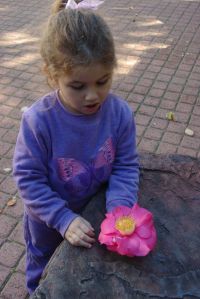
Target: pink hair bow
x=88, y=4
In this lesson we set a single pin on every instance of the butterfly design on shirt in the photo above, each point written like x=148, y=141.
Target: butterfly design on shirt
x=79, y=177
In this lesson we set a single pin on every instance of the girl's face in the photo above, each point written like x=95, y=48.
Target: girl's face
x=85, y=88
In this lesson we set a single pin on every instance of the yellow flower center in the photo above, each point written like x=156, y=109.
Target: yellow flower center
x=125, y=225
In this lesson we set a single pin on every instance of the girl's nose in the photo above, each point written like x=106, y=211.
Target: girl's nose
x=91, y=95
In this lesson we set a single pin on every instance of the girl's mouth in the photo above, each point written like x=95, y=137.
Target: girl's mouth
x=92, y=108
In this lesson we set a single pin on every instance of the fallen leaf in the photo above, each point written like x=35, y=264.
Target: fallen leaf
x=12, y=201
x=189, y=132
x=7, y=169
x=170, y=115
x=23, y=109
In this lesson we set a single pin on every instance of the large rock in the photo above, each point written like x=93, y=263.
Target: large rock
x=170, y=188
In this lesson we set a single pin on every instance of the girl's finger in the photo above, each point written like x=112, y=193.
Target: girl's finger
x=82, y=243
x=88, y=239
x=91, y=233
x=88, y=224
x=85, y=244
x=87, y=229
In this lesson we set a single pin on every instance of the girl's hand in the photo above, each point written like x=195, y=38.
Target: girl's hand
x=80, y=233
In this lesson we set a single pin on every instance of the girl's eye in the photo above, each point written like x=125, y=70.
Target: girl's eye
x=102, y=82
x=77, y=87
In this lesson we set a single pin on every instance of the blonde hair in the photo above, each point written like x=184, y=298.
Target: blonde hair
x=75, y=37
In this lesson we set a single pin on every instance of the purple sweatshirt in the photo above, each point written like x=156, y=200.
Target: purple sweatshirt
x=61, y=159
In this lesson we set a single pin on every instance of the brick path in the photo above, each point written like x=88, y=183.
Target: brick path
x=158, y=44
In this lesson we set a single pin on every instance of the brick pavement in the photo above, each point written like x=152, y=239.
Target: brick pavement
x=157, y=43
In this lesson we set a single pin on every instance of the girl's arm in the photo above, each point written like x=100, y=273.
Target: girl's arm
x=30, y=170
x=124, y=179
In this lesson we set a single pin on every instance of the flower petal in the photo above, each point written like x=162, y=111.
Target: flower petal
x=146, y=220
x=133, y=246
x=128, y=246
x=112, y=248
x=121, y=211
x=146, y=245
x=105, y=239
x=109, y=215
x=143, y=249
x=140, y=215
x=144, y=231
x=151, y=242
x=108, y=226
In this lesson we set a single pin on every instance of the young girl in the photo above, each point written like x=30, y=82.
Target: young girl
x=73, y=139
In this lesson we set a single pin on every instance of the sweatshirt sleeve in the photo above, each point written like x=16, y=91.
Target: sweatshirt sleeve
x=124, y=179
x=30, y=171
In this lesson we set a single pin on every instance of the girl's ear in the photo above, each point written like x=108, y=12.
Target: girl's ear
x=51, y=81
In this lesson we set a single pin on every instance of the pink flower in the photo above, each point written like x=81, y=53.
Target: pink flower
x=128, y=231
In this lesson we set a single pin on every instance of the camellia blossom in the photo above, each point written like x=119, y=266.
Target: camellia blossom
x=128, y=231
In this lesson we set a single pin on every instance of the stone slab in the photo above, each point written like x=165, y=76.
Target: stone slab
x=170, y=189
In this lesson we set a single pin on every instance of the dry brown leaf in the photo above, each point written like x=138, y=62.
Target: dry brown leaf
x=11, y=202
x=170, y=116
